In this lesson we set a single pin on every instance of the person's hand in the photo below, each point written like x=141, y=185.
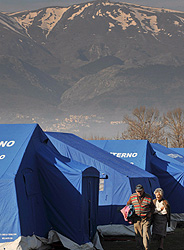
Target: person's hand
x=162, y=208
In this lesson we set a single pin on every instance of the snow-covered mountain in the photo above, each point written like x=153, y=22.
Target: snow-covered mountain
x=82, y=33
x=122, y=15
x=98, y=57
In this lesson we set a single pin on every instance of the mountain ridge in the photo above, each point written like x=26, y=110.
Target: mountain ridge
x=96, y=58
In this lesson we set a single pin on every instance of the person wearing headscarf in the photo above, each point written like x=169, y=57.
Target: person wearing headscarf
x=161, y=217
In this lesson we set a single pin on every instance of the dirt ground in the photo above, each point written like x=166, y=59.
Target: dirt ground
x=173, y=241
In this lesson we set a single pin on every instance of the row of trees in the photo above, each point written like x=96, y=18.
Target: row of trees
x=147, y=124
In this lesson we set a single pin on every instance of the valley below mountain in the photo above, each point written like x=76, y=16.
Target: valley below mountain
x=81, y=68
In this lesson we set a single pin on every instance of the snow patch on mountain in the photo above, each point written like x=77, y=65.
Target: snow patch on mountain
x=27, y=20
x=125, y=20
x=48, y=21
x=51, y=18
x=80, y=11
x=148, y=23
x=111, y=25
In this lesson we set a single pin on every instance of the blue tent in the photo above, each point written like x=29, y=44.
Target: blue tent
x=170, y=172
x=168, y=154
x=180, y=151
x=121, y=177
x=70, y=191
x=42, y=191
x=137, y=152
x=156, y=159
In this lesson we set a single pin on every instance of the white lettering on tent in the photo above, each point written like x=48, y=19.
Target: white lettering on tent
x=125, y=155
x=8, y=234
x=7, y=143
x=175, y=156
x=2, y=157
x=10, y=143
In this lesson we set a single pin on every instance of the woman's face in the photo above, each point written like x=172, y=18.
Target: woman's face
x=158, y=196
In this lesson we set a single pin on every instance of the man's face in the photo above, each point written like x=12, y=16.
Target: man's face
x=140, y=193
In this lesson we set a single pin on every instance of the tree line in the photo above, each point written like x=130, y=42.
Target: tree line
x=148, y=124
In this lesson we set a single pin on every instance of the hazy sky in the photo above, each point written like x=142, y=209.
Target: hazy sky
x=15, y=5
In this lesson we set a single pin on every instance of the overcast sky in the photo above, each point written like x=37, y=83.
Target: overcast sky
x=16, y=5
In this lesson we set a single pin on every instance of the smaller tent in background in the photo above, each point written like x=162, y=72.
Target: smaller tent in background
x=168, y=166
x=168, y=154
x=122, y=177
x=40, y=190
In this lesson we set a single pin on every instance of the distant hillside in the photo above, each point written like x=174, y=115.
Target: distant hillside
x=97, y=58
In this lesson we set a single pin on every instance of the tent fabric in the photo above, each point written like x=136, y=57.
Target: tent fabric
x=42, y=191
x=36, y=242
x=137, y=152
x=180, y=151
x=168, y=154
x=170, y=172
x=162, y=162
x=67, y=187
x=122, y=177
x=14, y=143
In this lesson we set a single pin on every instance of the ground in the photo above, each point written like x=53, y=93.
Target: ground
x=173, y=241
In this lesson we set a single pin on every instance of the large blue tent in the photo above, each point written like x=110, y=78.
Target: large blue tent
x=120, y=177
x=163, y=162
x=42, y=192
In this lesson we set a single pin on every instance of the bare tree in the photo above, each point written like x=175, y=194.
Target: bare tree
x=95, y=137
x=174, y=120
x=145, y=124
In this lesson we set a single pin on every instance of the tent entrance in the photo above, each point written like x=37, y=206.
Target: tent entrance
x=90, y=186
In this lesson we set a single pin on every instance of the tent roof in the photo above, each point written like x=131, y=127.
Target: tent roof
x=97, y=155
x=178, y=150
x=71, y=169
x=13, y=143
x=133, y=151
x=168, y=154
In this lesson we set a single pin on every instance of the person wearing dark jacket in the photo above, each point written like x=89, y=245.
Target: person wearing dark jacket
x=161, y=217
x=143, y=205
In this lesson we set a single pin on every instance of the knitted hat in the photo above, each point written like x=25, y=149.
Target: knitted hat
x=139, y=187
